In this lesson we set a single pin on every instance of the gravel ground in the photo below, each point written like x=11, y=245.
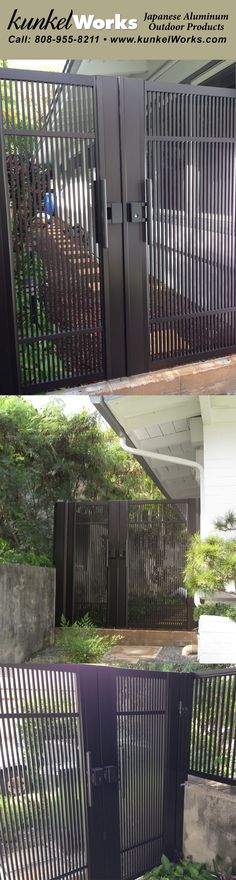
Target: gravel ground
x=166, y=655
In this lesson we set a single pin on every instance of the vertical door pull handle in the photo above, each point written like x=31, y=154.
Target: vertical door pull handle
x=101, y=212
x=149, y=211
x=89, y=778
x=103, y=209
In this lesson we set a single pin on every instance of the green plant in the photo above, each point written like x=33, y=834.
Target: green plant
x=33, y=319
x=21, y=555
x=186, y=869
x=146, y=607
x=210, y=563
x=82, y=642
x=227, y=873
x=214, y=608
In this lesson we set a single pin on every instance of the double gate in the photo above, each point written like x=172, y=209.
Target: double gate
x=122, y=562
x=93, y=763
x=117, y=237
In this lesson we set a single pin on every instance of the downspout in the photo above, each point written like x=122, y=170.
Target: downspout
x=170, y=459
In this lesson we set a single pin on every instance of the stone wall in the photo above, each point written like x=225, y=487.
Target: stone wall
x=27, y=611
x=209, y=821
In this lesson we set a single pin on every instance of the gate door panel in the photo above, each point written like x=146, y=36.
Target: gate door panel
x=93, y=763
x=91, y=549
x=51, y=169
x=122, y=562
x=157, y=540
x=142, y=720
x=118, y=227
x=191, y=153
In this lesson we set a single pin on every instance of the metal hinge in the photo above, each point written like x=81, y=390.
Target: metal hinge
x=136, y=212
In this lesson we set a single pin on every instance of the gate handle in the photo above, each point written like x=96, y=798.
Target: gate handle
x=89, y=778
x=101, y=219
x=149, y=211
x=103, y=209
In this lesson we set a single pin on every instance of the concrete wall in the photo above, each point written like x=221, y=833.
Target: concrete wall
x=27, y=610
x=209, y=821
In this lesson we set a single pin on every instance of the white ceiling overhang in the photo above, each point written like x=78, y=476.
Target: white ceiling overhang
x=171, y=425
x=175, y=71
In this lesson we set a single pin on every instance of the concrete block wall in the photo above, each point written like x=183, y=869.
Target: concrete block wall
x=27, y=610
x=209, y=821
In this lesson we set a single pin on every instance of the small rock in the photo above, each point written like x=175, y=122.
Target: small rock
x=188, y=650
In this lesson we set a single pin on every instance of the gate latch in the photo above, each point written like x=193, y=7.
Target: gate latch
x=136, y=212
x=114, y=212
x=107, y=774
x=183, y=710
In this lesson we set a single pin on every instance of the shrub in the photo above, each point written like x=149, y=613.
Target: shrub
x=187, y=869
x=21, y=556
x=215, y=608
x=210, y=563
x=82, y=642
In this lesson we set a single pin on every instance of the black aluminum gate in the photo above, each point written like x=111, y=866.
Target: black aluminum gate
x=117, y=237
x=93, y=763
x=122, y=562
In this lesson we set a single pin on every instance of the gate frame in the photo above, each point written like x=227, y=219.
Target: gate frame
x=97, y=711
x=64, y=554
x=9, y=361
x=125, y=314
x=120, y=149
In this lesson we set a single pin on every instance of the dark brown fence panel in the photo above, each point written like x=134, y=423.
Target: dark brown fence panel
x=43, y=799
x=213, y=736
x=50, y=142
x=157, y=540
x=192, y=227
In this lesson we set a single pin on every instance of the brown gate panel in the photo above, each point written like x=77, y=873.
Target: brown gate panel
x=191, y=209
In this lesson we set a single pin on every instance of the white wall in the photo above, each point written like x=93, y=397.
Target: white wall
x=219, y=493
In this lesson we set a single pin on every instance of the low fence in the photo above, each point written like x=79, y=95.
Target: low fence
x=213, y=734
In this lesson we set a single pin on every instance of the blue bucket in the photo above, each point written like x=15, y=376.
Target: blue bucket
x=50, y=204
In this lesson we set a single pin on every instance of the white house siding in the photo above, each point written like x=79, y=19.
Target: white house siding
x=219, y=495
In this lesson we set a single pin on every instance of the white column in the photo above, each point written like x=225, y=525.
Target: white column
x=219, y=492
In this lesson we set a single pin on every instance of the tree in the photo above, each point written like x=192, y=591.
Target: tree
x=211, y=561
x=47, y=456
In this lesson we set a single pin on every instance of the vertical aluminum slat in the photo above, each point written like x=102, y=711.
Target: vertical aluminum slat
x=213, y=727
x=197, y=316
